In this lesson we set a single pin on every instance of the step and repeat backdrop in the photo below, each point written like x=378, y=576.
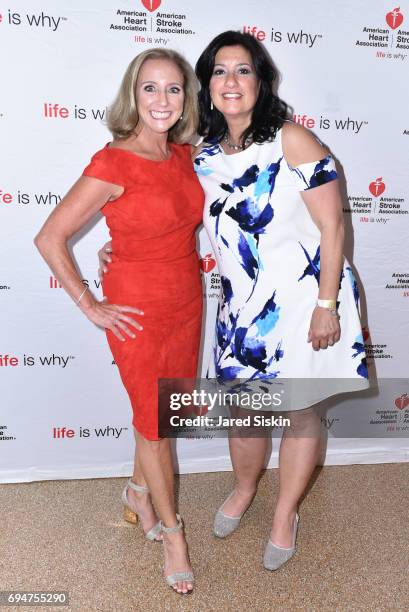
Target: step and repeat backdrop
x=344, y=70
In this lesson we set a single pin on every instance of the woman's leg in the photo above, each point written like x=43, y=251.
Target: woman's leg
x=142, y=502
x=299, y=453
x=155, y=460
x=247, y=457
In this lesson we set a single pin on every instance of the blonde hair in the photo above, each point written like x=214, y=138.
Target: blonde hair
x=123, y=115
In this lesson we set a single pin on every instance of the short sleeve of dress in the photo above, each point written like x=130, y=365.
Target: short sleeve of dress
x=105, y=166
x=313, y=174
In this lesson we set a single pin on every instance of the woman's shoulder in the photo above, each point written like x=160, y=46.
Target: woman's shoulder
x=106, y=165
x=299, y=144
x=101, y=153
x=108, y=154
x=100, y=158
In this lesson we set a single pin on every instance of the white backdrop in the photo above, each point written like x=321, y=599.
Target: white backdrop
x=344, y=66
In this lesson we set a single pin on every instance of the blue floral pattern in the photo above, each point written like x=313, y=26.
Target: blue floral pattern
x=268, y=253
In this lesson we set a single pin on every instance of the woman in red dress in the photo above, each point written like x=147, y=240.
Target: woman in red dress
x=144, y=184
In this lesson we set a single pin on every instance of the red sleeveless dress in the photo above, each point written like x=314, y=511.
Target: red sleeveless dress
x=155, y=267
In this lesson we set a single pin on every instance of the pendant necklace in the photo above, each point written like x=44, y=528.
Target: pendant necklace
x=239, y=147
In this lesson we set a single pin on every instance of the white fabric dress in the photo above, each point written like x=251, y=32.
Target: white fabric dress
x=268, y=255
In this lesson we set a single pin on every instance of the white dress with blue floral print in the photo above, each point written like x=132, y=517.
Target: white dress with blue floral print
x=268, y=253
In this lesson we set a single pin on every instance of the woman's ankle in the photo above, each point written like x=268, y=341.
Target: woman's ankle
x=246, y=490
x=285, y=511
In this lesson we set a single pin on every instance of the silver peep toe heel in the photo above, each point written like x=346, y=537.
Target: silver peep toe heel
x=172, y=579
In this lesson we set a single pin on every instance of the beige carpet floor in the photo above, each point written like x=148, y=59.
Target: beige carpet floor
x=353, y=546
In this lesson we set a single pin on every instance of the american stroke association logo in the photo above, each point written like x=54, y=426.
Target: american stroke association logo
x=388, y=39
x=386, y=205
x=374, y=206
x=149, y=25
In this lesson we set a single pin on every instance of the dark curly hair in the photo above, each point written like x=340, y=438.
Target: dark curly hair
x=269, y=111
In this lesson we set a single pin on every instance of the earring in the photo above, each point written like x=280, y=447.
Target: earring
x=181, y=117
x=211, y=105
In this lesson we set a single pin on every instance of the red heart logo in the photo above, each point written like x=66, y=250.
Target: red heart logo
x=402, y=401
x=365, y=333
x=377, y=187
x=394, y=18
x=207, y=262
x=151, y=5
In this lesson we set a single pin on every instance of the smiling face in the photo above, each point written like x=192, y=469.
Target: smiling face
x=159, y=95
x=234, y=85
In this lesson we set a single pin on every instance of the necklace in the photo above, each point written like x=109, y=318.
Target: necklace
x=239, y=147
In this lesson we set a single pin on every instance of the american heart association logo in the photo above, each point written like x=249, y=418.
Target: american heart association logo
x=402, y=402
x=151, y=5
x=377, y=187
x=394, y=18
x=207, y=263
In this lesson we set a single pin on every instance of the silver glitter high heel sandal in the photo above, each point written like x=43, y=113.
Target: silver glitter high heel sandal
x=131, y=514
x=224, y=525
x=275, y=556
x=172, y=579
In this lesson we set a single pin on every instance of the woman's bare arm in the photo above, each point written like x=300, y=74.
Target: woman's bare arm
x=83, y=201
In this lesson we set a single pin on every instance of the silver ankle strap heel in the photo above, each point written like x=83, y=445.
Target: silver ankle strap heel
x=130, y=513
x=177, y=576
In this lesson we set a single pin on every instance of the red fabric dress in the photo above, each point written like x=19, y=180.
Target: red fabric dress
x=155, y=267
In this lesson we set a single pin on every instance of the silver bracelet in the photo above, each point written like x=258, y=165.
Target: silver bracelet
x=81, y=296
x=334, y=312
